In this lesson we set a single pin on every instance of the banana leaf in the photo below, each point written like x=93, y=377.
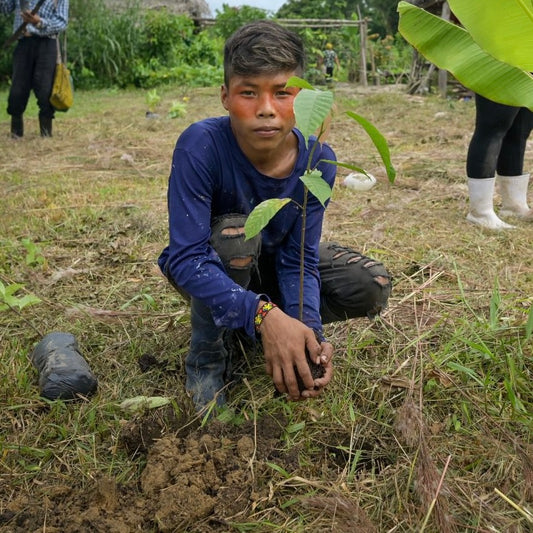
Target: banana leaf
x=503, y=28
x=452, y=48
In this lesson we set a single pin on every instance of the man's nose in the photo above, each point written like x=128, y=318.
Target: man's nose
x=266, y=107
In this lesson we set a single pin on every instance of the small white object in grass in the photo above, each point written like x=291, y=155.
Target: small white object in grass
x=359, y=181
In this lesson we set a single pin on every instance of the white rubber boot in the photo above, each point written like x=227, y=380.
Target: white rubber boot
x=481, y=192
x=513, y=190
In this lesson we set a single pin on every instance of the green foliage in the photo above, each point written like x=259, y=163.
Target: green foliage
x=8, y=298
x=139, y=47
x=316, y=9
x=34, y=256
x=177, y=109
x=262, y=214
x=231, y=18
x=152, y=99
x=135, y=46
x=317, y=186
x=455, y=49
x=102, y=45
x=382, y=14
x=164, y=36
x=505, y=30
x=392, y=55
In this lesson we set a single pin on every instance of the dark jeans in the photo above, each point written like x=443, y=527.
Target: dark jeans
x=499, y=140
x=34, y=63
x=352, y=285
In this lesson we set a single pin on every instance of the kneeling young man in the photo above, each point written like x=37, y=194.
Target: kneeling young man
x=222, y=168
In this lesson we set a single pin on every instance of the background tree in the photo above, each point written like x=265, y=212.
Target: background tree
x=313, y=9
x=383, y=13
x=231, y=18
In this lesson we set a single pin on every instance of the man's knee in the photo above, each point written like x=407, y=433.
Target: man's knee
x=353, y=285
x=238, y=255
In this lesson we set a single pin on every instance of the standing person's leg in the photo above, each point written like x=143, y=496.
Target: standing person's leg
x=493, y=121
x=21, y=83
x=512, y=181
x=43, y=81
x=352, y=285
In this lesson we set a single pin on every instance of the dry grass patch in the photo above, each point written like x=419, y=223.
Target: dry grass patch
x=427, y=425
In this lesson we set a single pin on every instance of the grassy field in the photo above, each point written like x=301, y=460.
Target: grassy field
x=427, y=424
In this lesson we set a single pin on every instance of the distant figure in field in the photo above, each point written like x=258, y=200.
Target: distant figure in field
x=330, y=59
x=34, y=59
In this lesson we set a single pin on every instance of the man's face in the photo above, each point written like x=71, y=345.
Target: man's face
x=261, y=111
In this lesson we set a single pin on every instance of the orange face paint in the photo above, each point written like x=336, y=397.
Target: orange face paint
x=261, y=113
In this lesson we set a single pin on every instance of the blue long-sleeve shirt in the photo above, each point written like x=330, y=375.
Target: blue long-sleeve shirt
x=54, y=19
x=210, y=177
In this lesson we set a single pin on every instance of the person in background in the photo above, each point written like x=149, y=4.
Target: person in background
x=34, y=59
x=222, y=168
x=330, y=59
x=496, y=156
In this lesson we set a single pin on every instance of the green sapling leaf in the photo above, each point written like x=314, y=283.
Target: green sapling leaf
x=355, y=168
x=311, y=108
x=379, y=142
x=262, y=214
x=295, y=81
x=317, y=186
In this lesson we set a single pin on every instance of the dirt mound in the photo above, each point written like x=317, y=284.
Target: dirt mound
x=199, y=482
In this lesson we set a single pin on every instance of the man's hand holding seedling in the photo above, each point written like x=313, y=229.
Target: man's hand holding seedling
x=284, y=342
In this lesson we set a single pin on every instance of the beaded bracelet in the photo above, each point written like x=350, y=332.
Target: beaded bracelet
x=262, y=312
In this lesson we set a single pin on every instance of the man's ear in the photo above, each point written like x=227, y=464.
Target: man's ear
x=224, y=96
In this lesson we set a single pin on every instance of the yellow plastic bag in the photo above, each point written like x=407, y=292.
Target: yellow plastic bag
x=62, y=96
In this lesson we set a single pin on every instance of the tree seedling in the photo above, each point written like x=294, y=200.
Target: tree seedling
x=312, y=109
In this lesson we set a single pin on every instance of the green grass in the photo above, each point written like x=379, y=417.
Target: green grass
x=446, y=372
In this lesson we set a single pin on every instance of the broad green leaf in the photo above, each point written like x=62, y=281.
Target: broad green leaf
x=262, y=214
x=379, y=142
x=295, y=81
x=453, y=49
x=311, y=107
x=503, y=28
x=9, y=290
x=317, y=186
x=28, y=299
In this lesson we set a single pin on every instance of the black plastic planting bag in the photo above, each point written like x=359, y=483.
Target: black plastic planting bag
x=63, y=372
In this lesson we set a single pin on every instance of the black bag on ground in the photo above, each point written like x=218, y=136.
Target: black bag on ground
x=63, y=372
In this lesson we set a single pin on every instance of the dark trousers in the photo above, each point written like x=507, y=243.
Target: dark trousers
x=34, y=63
x=499, y=140
x=351, y=285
